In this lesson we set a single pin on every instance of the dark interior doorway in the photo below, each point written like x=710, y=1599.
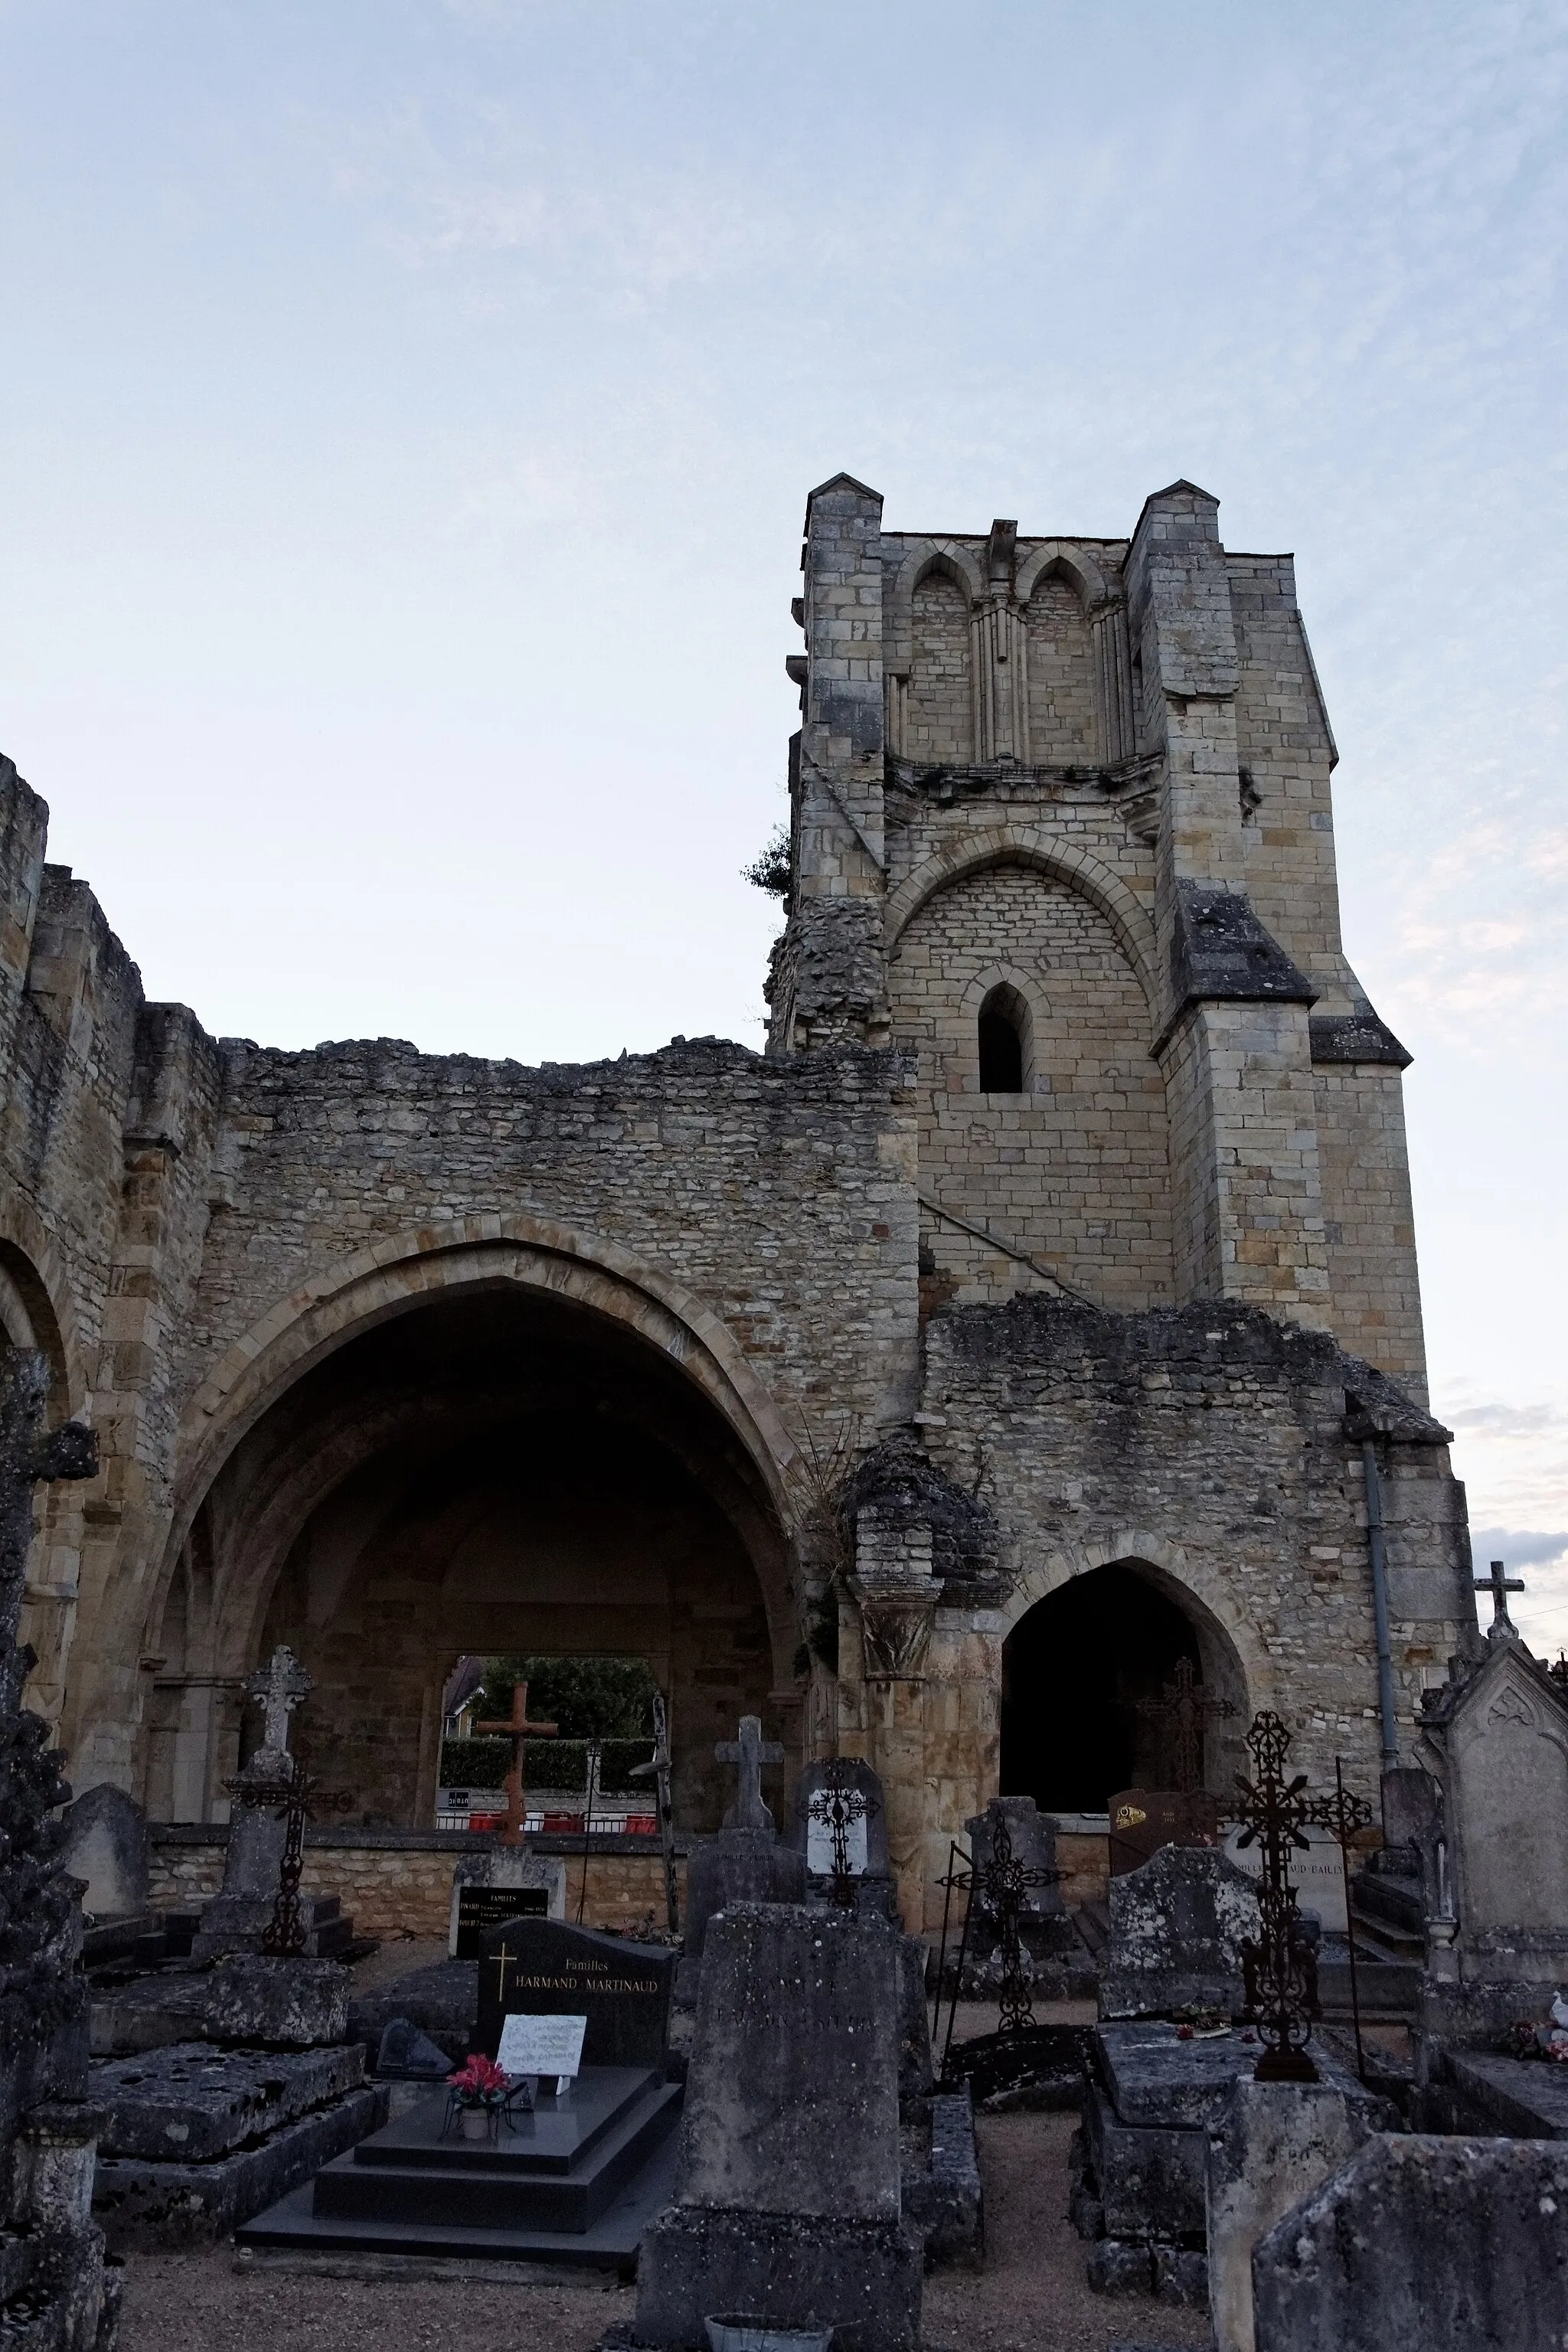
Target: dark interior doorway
x=1073, y=1669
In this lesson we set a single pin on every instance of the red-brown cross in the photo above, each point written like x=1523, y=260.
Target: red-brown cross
x=517, y=1729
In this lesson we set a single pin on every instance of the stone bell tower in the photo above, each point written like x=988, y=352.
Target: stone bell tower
x=1080, y=789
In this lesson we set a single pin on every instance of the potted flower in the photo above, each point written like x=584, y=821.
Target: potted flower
x=479, y=2088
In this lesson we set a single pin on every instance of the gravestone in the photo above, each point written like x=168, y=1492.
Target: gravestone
x=106, y=1844
x=1495, y=1737
x=1033, y=1840
x=788, y=2200
x=1144, y=1820
x=543, y=1967
x=510, y=1883
x=237, y=1916
x=1455, y=2244
x=1317, y=1872
x=866, y=1834
x=1177, y=1926
x=1274, y=2144
x=745, y=1862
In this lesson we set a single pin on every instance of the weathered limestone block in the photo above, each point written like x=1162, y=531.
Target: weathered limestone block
x=1275, y=2143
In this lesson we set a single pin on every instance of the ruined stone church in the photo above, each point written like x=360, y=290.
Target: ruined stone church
x=1039, y=1310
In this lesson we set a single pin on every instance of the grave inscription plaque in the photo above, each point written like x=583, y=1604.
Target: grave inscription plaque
x=543, y=1967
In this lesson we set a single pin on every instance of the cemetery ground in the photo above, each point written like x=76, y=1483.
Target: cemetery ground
x=1032, y=2295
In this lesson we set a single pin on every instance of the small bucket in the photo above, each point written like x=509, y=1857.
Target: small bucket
x=756, y=2335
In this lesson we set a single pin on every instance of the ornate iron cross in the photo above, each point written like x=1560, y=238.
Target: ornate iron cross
x=1280, y=1969
x=1180, y=1713
x=835, y=1806
x=1003, y=1881
x=299, y=1799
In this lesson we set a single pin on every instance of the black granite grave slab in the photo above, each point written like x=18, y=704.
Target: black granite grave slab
x=609, y=2243
x=545, y=2189
x=190, y=2103
x=542, y=1968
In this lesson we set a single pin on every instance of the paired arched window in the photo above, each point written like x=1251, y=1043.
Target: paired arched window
x=1004, y=1043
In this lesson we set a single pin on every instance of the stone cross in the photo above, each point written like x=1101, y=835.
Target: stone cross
x=751, y=1751
x=1498, y=1585
x=279, y=1686
x=518, y=1728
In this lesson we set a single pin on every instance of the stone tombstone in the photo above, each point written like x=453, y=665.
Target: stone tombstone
x=1177, y=1926
x=1316, y=1873
x=1144, y=1820
x=1273, y=2145
x=543, y=1967
x=237, y=1916
x=1033, y=1840
x=745, y=1862
x=867, y=1837
x=1459, y=2245
x=1497, y=1740
x=481, y=1883
x=106, y=1844
x=788, y=2197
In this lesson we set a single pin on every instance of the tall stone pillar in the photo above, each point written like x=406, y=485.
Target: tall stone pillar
x=830, y=983
x=1233, y=1042
x=896, y=1594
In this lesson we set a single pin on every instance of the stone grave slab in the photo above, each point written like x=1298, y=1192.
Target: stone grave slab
x=1521, y=2098
x=1422, y=2239
x=1154, y=2103
x=545, y=1967
x=106, y=1844
x=1177, y=1926
x=1276, y=2142
x=197, y=2138
x=192, y=2102
x=788, y=2198
x=248, y=1998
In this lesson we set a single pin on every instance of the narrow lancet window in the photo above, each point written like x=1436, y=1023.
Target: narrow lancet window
x=1002, y=1022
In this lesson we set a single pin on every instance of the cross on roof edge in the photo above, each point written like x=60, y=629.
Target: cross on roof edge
x=1499, y=1586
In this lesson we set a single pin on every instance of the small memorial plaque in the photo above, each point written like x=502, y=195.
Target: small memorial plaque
x=481, y=1908
x=819, y=1845
x=541, y=2045
x=542, y=1968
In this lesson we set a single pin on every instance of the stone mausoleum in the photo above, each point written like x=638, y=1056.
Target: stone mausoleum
x=1038, y=1309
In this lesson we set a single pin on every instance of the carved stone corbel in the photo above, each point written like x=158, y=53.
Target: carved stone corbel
x=897, y=1596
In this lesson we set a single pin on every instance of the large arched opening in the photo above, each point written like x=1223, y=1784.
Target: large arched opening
x=1084, y=1675
x=494, y=1468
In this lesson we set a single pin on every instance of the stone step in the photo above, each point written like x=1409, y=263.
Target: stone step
x=492, y=2186
x=1393, y=1902
x=145, y=2205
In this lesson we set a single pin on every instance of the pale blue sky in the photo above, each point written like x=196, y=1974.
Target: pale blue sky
x=409, y=410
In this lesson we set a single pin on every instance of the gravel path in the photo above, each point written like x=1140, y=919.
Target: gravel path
x=1032, y=2295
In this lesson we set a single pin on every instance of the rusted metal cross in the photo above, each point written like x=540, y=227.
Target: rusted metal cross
x=517, y=1728
x=1181, y=1713
x=1280, y=1969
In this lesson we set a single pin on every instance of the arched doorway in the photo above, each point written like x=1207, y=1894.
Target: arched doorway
x=495, y=1469
x=1083, y=1672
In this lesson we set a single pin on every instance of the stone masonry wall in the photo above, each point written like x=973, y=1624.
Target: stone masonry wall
x=941, y=705
x=1062, y=730
x=1075, y=1171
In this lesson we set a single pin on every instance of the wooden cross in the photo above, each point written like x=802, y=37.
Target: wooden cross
x=1498, y=1585
x=1183, y=1712
x=517, y=1728
x=278, y=1687
x=751, y=1751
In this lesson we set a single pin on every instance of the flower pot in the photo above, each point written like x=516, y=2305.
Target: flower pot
x=473, y=2124
x=755, y=2335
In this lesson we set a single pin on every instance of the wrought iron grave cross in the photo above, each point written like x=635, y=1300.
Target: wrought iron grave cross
x=1280, y=1969
x=835, y=1806
x=1342, y=1815
x=1500, y=1586
x=1180, y=1713
x=300, y=1798
x=751, y=1751
x=517, y=1728
x=657, y=1769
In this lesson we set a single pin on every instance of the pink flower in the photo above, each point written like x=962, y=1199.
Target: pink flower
x=478, y=2081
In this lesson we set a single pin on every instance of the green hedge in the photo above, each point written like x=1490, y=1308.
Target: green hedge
x=547, y=1764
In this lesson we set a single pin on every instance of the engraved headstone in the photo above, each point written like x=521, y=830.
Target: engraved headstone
x=865, y=1832
x=106, y=1844
x=1177, y=1926
x=507, y=1882
x=543, y=1967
